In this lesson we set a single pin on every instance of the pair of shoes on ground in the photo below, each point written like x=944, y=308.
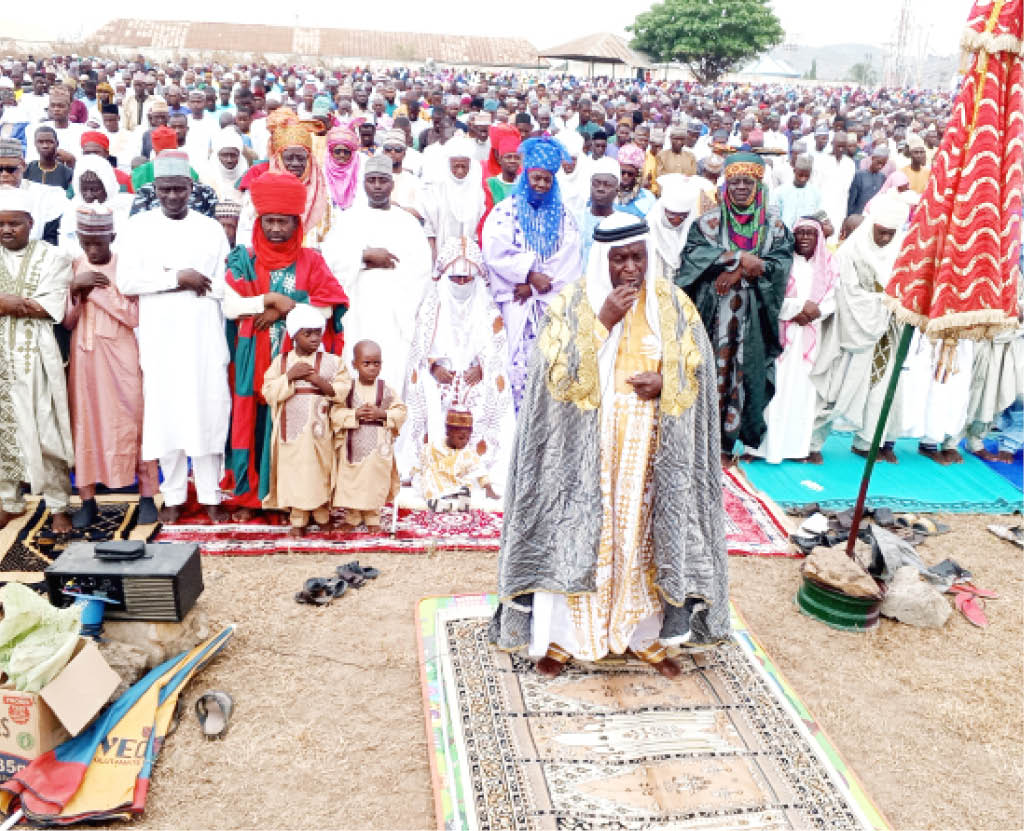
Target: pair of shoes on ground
x=321, y=591
x=90, y=511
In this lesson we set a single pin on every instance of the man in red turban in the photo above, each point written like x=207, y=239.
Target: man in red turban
x=95, y=143
x=264, y=283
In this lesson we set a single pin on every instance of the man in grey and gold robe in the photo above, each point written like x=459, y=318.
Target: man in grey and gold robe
x=614, y=532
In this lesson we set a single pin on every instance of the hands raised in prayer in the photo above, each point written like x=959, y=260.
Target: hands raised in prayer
x=87, y=281
x=616, y=304
x=379, y=258
x=370, y=412
x=191, y=280
x=541, y=282
x=808, y=314
x=646, y=385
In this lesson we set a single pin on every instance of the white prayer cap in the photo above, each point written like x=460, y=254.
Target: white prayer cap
x=679, y=193
x=889, y=211
x=572, y=142
x=459, y=147
x=303, y=316
x=170, y=163
x=605, y=166
x=14, y=199
x=915, y=142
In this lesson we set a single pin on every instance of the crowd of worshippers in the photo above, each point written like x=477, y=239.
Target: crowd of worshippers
x=311, y=287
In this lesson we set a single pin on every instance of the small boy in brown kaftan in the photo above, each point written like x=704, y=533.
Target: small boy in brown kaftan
x=302, y=386
x=365, y=427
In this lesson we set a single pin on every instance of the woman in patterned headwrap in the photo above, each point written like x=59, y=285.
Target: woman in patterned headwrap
x=532, y=248
x=735, y=266
x=291, y=151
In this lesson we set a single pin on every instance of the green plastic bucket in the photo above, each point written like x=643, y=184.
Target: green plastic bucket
x=838, y=610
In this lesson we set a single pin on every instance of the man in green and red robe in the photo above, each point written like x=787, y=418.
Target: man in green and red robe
x=264, y=283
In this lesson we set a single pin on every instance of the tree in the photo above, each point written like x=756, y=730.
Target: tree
x=712, y=37
x=813, y=74
x=863, y=73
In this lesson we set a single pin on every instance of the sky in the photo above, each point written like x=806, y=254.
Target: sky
x=542, y=22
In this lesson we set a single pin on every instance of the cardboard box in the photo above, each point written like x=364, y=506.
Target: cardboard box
x=33, y=723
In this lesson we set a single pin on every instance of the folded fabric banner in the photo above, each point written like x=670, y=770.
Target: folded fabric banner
x=104, y=772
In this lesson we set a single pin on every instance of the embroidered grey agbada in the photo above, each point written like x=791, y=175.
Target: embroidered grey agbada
x=553, y=499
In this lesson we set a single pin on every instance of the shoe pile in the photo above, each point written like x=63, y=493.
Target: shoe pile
x=321, y=591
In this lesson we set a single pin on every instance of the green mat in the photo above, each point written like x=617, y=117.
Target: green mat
x=915, y=484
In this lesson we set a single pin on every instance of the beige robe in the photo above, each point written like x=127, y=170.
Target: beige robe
x=302, y=449
x=366, y=476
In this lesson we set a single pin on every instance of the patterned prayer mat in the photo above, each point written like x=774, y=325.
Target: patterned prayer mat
x=37, y=546
x=752, y=527
x=728, y=745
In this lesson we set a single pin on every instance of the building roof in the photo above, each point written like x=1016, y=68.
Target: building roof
x=326, y=43
x=767, y=66
x=603, y=47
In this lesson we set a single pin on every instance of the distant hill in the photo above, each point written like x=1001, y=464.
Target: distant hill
x=834, y=62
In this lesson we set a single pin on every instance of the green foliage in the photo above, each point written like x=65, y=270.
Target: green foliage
x=812, y=75
x=712, y=37
x=863, y=73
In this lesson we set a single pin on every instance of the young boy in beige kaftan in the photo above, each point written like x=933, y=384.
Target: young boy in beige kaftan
x=302, y=387
x=446, y=471
x=365, y=427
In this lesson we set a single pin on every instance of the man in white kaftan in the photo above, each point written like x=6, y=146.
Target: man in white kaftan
x=35, y=427
x=381, y=257
x=833, y=172
x=531, y=245
x=809, y=302
x=855, y=359
x=174, y=261
x=459, y=359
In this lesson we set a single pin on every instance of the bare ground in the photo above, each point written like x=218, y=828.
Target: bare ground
x=328, y=729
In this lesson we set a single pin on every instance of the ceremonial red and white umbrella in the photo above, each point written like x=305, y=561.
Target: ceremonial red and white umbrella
x=958, y=270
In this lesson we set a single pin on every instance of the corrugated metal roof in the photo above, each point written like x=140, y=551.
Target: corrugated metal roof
x=339, y=43
x=604, y=47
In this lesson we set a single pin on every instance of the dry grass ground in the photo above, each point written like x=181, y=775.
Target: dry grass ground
x=328, y=730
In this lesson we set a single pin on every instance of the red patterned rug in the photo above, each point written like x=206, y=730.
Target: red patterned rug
x=752, y=528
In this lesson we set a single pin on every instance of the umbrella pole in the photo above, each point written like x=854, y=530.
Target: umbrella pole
x=876, y=441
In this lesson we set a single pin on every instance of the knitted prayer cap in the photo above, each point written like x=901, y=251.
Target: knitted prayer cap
x=394, y=138
x=458, y=418
x=11, y=148
x=744, y=164
x=379, y=165
x=630, y=154
x=170, y=164
x=278, y=193
x=94, y=218
x=228, y=209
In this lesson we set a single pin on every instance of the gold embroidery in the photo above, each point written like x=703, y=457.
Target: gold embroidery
x=679, y=354
x=556, y=338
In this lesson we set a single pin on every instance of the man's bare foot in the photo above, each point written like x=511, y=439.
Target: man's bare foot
x=858, y=452
x=7, y=516
x=952, y=457
x=1006, y=457
x=987, y=455
x=728, y=460
x=61, y=523
x=814, y=458
x=296, y=531
x=933, y=453
x=344, y=528
x=887, y=454
x=170, y=514
x=549, y=667
x=242, y=515
x=216, y=513
x=669, y=668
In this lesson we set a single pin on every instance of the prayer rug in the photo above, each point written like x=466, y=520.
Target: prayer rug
x=37, y=546
x=916, y=484
x=1013, y=472
x=616, y=745
x=752, y=527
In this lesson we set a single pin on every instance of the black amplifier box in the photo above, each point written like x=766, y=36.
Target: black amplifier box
x=161, y=584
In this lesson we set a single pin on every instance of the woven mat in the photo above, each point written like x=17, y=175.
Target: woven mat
x=753, y=526
x=726, y=745
x=36, y=545
x=915, y=484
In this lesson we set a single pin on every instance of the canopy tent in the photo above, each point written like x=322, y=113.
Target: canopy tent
x=604, y=48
